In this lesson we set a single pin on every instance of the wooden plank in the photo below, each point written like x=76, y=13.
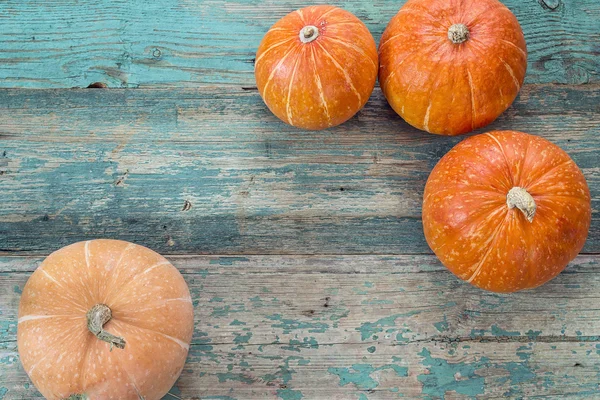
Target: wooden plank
x=212, y=171
x=188, y=42
x=357, y=327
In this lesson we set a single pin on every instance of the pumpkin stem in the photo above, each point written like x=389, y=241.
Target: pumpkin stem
x=520, y=198
x=99, y=315
x=309, y=33
x=458, y=33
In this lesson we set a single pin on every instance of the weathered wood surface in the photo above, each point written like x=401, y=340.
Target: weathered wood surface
x=210, y=170
x=363, y=327
x=65, y=43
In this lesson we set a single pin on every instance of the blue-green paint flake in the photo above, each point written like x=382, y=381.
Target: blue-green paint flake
x=376, y=302
x=307, y=343
x=442, y=377
x=229, y=376
x=360, y=374
x=289, y=394
x=216, y=299
x=497, y=331
x=228, y=260
x=442, y=326
x=239, y=339
x=368, y=329
x=371, y=349
x=237, y=323
x=533, y=334
x=369, y=284
x=289, y=325
x=228, y=309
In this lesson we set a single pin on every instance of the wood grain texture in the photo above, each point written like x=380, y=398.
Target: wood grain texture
x=134, y=43
x=212, y=171
x=363, y=327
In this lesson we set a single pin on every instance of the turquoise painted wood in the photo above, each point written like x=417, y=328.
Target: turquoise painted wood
x=303, y=251
x=355, y=327
x=188, y=171
x=65, y=43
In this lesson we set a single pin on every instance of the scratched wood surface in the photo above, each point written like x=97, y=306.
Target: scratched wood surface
x=304, y=251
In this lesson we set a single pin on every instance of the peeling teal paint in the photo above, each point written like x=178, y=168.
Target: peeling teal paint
x=17, y=289
x=363, y=397
x=399, y=336
x=497, y=331
x=226, y=310
x=442, y=377
x=336, y=317
x=202, y=273
x=369, y=284
x=228, y=260
x=239, y=339
x=216, y=299
x=533, y=334
x=289, y=394
x=573, y=286
x=368, y=329
x=289, y=325
x=3, y=392
x=229, y=376
x=519, y=373
x=376, y=302
x=371, y=349
x=237, y=323
x=303, y=362
x=360, y=374
x=442, y=326
x=522, y=354
x=361, y=292
x=307, y=343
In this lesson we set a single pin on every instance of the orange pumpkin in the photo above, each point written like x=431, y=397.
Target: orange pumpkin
x=506, y=210
x=316, y=67
x=449, y=67
x=104, y=319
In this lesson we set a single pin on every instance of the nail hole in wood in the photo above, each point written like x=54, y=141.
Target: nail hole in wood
x=97, y=85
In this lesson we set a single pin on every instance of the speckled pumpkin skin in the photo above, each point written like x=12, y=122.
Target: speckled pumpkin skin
x=446, y=88
x=151, y=309
x=322, y=83
x=469, y=226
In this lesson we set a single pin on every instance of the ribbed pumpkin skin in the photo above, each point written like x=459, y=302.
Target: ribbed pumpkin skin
x=322, y=83
x=446, y=88
x=151, y=309
x=469, y=226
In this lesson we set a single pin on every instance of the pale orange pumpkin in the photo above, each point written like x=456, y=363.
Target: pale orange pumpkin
x=449, y=67
x=506, y=210
x=316, y=67
x=103, y=320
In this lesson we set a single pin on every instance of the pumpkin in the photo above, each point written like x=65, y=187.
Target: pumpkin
x=104, y=319
x=506, y=211
x=449, y=67
x=316, y=67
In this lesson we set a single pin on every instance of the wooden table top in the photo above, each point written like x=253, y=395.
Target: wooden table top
x=304, y=251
